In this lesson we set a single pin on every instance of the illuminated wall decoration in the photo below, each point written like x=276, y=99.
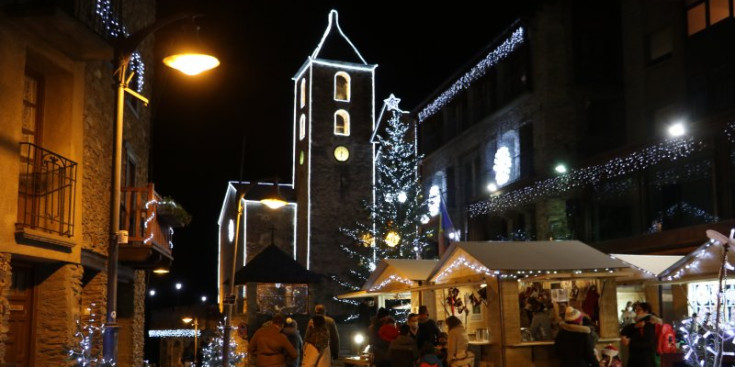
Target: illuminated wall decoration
x=103, y=9
x=478, y=71
x=507, y=160
x=434, y=200
x=666, y=151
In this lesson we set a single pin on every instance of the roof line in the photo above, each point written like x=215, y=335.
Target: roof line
x=334, y=18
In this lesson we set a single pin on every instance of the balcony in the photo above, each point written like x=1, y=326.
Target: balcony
x=149, y=233
x=46, y=198
x=81, y=29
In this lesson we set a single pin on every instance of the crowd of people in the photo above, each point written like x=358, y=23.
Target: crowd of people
x=278, y=343
x=575, y=342
x=418, y=342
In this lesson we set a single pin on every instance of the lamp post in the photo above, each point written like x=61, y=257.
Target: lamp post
x=124, y=48
x=274, y=201
x=187, y=320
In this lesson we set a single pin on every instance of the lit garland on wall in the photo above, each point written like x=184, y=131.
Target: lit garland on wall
x=478, y=71
x=669, y=150
x=391, y=279
x=173, y=333
x=115, y=29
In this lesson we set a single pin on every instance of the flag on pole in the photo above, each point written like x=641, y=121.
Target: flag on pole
x=446, y=221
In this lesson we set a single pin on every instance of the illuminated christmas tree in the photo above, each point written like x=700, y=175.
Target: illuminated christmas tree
x=84, y=353
x=212, y=353
x=392, y=224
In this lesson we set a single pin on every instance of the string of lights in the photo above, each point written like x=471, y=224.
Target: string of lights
x=666, y=151
x=478, y=71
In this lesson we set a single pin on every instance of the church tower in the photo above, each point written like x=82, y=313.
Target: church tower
x=333, y=172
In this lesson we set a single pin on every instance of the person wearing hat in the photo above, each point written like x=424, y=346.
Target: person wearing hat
x=574, y=343
x=291, y=330
x=610, y=357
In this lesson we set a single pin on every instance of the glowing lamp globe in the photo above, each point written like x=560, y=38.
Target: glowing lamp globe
x=392, y=239
x=187, y=320
x=273, y=203
x=359, y=338
x=191, y=63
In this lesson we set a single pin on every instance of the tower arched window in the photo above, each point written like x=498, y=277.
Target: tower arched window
x=342, y=123
x=302, y=127
x=342, y=86
x=302, y=93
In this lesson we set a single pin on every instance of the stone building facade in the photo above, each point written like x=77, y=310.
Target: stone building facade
x=56, y=93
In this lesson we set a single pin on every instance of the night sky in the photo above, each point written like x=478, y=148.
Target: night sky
x=199, y=123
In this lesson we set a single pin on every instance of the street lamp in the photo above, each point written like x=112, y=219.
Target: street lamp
x=124, y=48
x=187, y=320
x=273, y=201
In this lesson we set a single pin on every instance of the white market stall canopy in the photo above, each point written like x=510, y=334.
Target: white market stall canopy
x=648, y=266
x=394, y=275
x=523, y=258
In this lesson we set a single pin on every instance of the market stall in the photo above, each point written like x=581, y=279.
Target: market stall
x=274, y=283
x=694, y=280
x=643, y=285
x=489, y=286
x=392, y=279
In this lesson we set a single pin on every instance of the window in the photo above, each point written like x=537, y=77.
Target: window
x=302, y=91
x=302, y=127
x=704, y=13
x=342, y=123
x=342, y=86
x=32, y=89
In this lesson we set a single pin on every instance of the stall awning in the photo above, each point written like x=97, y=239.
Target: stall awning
x=393, y=276
x=524, y=257
x=648, y=266
x=402, y=270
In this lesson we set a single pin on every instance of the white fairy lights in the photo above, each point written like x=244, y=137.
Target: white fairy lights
x=392, y=279
x=114, y=28
x=478, y=71
x=173, y=333
x=667, y=151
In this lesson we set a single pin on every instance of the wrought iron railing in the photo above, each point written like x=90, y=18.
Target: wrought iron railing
x=138, y=216
x=46, y=190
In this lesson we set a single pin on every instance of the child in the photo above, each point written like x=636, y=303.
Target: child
x=610, y=357
x=441, y=347
x=428, y=357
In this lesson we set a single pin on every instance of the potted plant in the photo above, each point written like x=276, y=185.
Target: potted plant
x=171, y=213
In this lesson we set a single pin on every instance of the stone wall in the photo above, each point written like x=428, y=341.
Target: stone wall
x=56, y=312
x=5, y=279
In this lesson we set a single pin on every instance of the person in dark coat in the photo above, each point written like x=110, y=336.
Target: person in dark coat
x=574, y=343
x=428, y=331
x=291, y=330
x=403, y=351
x=641, y=337
x=320, y=310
